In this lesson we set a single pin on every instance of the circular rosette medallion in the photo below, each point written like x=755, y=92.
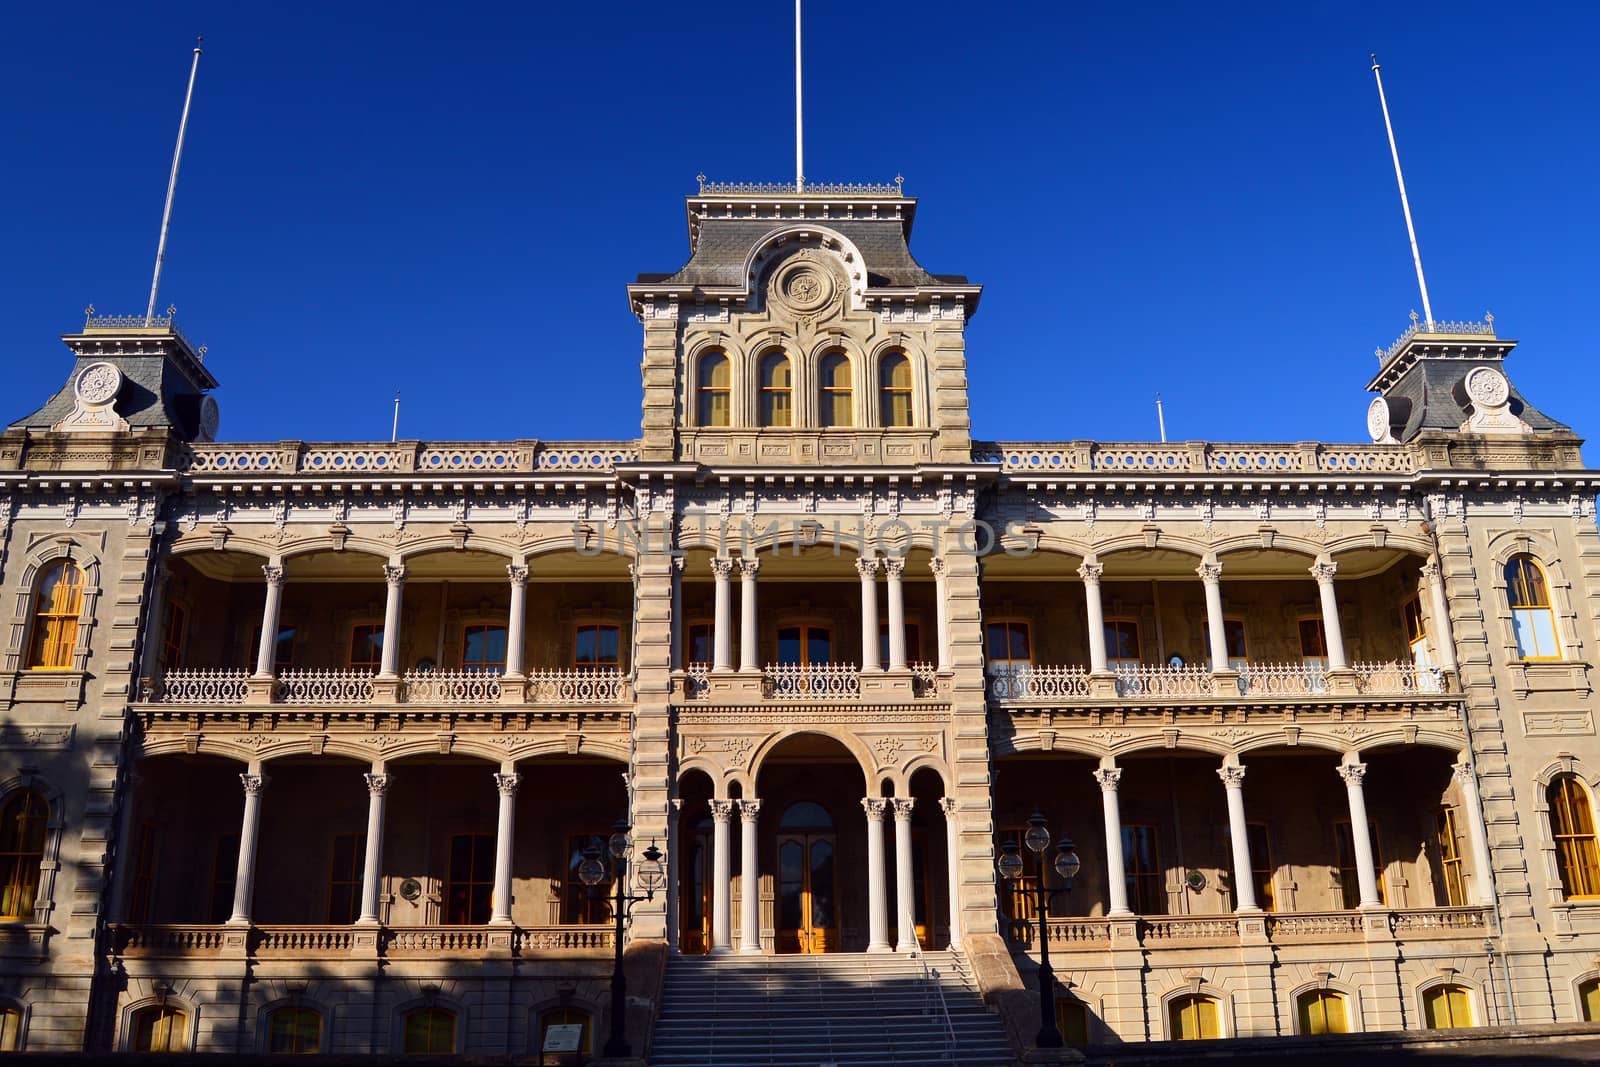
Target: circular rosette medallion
x=99, y=383
x=1488, y=388
x=1378, y=419
x=804, y=286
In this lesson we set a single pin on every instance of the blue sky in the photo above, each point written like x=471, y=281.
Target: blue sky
x=449, y=199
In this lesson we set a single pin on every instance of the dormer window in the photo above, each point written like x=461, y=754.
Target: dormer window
x=838, y=400
x=713, y=393
x=777, y=390
x=894, y=376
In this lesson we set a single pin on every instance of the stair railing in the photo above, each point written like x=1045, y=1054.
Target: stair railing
x=933, y=1003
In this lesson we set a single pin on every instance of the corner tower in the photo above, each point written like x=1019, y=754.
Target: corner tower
x=803, y=331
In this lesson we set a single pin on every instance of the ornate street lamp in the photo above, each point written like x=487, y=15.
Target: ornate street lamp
x=652, y=877
x=1066, y=865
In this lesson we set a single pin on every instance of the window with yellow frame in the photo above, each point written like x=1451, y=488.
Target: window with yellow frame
x=56, y=607
x=838, y=398
x=713, y=391
x=1533, y=618
x=1322, y=1011
x=160, y=1028
x=1448, y=839
x=428, y=1031
x=294, y=1031
x=894, y=376
x=10, y=1029
x=1589, y=1000
x=1447, y=1007
x=24, y=822
x=1194, y=1017
x=775, y=405
x=1572, y=825
x=1072, y=1020
x=1261, y=868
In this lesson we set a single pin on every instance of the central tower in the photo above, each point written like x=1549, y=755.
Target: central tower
x=803, y=331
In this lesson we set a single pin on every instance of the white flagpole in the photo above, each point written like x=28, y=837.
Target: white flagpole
x=1161, y=419
x=1405, y=204
x=172, y=185
x=799, y=120
x=394, y=432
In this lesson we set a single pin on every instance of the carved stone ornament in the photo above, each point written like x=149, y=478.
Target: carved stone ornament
x=94, y=395
x=803, y=285
x=210, y=418
x=1490, y=394
x=1378, y=422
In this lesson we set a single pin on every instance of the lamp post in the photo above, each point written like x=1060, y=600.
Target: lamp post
x=652, y=876
x=1066, y=865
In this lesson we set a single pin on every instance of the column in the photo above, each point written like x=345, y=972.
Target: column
x=721, y=889
x=394, y=576
x=904, y=889
x=1477, y=833
x=518, y=573
x=749, y=567
x=721, y=635
x=749, y=880
x=877, y=877
x=867, y=567
x=941, y=609
x=372, y=869
x=1323, y=571
x=674, y=872
x=1211, y=575
x=1441, y=641
x=155, y=629
x=505, y=836
x=244, y=882
x=1244, y=882
x=675, y=656
x=952, y=851
x=1366, y=871
x=1090, y=572
x=1116, y=872
x=895, y=568
x=273, y=572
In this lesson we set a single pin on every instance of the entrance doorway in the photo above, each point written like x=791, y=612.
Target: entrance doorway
x=694, y=893
x=808, y=908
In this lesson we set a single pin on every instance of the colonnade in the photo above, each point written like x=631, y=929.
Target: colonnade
x=867, y=567
x=876, y=810
x=1232, y=773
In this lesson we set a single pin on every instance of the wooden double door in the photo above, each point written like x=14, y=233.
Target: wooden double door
x=808, y=892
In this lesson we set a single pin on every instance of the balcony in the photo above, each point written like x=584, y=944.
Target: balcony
x=1029, y=684
x=294, y=942
x=335, y=688
x=1287, y=928
x=812, y=681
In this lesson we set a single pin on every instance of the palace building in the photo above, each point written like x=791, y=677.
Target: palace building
x=305, y=744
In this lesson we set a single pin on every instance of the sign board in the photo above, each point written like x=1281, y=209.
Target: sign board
x=563, y=1037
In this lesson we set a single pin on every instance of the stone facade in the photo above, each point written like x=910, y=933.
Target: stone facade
x=337, y=722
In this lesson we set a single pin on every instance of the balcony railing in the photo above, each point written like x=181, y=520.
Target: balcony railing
x=453, y=687
x=1158, y=931
x=1295, y=679
x=811, y=680
x=1027, y=682
x=1084, y=457
x=204, y=685
x=1155, y=680
x=1283, y=679
x=319, y=941
x=332, y=687
x=581, y=685
x=1398, y=677
x=310, y=685
x=441, y=457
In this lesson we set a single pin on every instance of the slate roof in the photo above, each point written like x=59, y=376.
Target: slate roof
x=1432, y=395
x=719, y=258
x=155, y=394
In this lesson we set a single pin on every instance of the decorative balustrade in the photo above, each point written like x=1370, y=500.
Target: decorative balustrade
x=303, y=940
x=1439, y=922
x=1156, y=680
x=1027, y=682
x=453, y=687
x=1398, y=677
x=1314, y=925
x=468, y=457
x=1156, y=930
x=925, y=680
x=1085, y=457
x=168, y=940
x=577, y=686
x=299, y=685
x=203, y=685
x=434, y=940
x=811, y=680
x=565, y=938
x=1283, y=679
x=315, y=941
x=810, y=188
x=1063, y=933
x=1485, y=329
x=1068, y=934
x=697, y=681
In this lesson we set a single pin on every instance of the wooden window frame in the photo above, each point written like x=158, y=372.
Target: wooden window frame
x=1573, y=831
x=142, y=878
x=596, y=625
x=54, y=628
x=174, y=634
x=1518, y=587
x=1123, y=662
x=434, y=1014
x=13, y=1021
x=563, y=1016
x=177, y=1024
x=224, y=874
x=470, y=884
x=913, y=642
x=286, y=637
x=351, y=881
x=1445, y=989
x=1321, y=997
x=1176, y=1006
x=1139, y=882
x=1009, y=662
x=485, y=666
x=774, y=401
x=1452, y=865
x=889, y=395
x=690, y=627
x=805, y=629
x=23, y=864
x=295, y=1013
x=828, y=394
x=583, y=904
x=706, y=391
x=350, y=660
x=1262, y=870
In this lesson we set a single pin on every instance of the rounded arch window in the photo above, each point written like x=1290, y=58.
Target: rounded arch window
x=1194, y=1017
x=1572, y=826
x=1589, y=1000
x=838, y=395
x=1447, y=1007
x=806, y=815
x=777, y=390
x=1532, y=617
x=294, y=1030
x=894, y=389
x=23, y=822
x=56, y=607
x=160, y=1028
x=714, y=391
x=428, y=1031
x=1322, y=1011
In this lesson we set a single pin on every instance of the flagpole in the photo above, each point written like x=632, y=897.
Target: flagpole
x=1405, y=204
x=172, y=186
x=799, y=120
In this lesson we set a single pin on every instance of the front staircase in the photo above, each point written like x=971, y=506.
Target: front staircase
x=849, y=1010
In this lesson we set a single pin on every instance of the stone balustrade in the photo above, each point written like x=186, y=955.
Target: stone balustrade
x=1044, y=683
x=409, y=457
x=811, y=681
x=309, y=942
x=1161, y=931
x=227, y=687
x=1193, y=457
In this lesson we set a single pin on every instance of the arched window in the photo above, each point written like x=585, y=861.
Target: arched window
x=10, y=1029
x=838, y=399
x=894, y=388
x=1532, y=619
x=1572, y=825
x=1589, y=1000
x=714, y=391
x=1194, y=1017
x=22, y=829
x=160, y=1029
x=1323, y=1011
x=56, y=607
x=1072, y=1020
x=566, y=1017
x=777, y=390
x=428, y=1031
x=297, y=1031
x=1447, y=1007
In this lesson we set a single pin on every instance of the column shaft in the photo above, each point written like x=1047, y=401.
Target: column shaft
x=675, y=608
x=1090, y=572
x=1332, y=631
x=1477, y=834
x=394, y=576
x=868, y=569
x=1360, y=838
x=722, y=635
x=1441, y=641
x=1116, y=871
x=904, y=887
x=372, y=868
x=721, y=879
x=244, y=883
x=1244, y=882
x=1211, y=575
x=895, y=569
x=505, y=837
x=952, y=846
x=517, y=618
x=877, y=877
x=674, y=872
x=267, y=649
x=748, y=649
x=941, y=610
x=749, y=880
